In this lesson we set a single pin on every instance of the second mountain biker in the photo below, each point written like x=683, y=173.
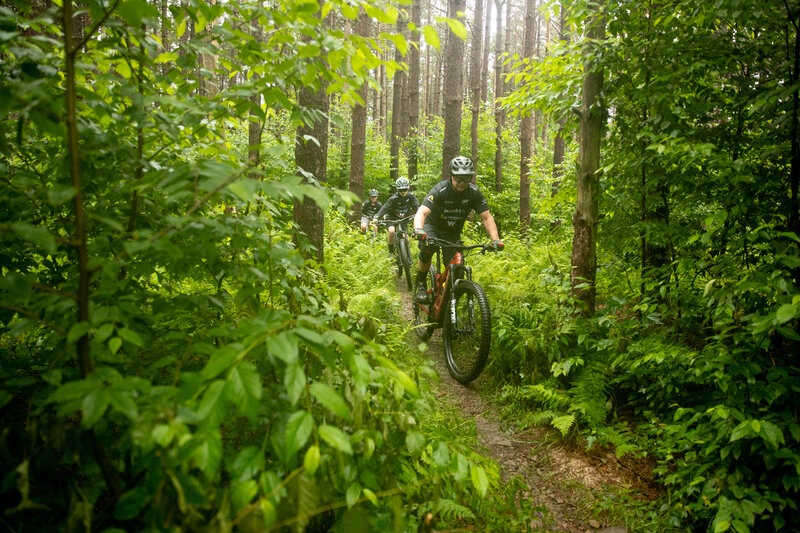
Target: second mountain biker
x=399, y=205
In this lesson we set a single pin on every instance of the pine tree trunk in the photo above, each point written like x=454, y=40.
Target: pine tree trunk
x=475, y=76
x=487, y=41
x=358, y=139
x=453, y=87
x=584, y=241
x=413, y=91
x=526, y=129
x=397, y=112
x=498, y=92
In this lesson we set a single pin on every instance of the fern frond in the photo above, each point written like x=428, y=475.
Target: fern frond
x=563, y=424
x=450, y=510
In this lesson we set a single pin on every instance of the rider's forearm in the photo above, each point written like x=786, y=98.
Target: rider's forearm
x=491, y=227
x=419, y=218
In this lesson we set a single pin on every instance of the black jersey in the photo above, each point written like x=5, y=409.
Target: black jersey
x=398, y=206
x=369, y=209
x=449, y=208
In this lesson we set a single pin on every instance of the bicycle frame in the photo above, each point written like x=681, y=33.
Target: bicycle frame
x=447, y=279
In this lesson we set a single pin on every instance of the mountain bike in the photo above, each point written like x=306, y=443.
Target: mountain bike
x=460, y=307
x=402, y=248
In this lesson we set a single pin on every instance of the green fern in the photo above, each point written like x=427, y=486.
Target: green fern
x=449, y=510
x=563, y=423
x=588, y=394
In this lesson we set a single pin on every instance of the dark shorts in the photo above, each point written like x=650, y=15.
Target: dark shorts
x=426, y=250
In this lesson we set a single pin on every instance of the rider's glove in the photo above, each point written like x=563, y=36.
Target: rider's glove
x=419, y=234
x=497, y=245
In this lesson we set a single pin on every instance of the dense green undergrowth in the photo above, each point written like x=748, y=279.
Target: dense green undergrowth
x=708, y=395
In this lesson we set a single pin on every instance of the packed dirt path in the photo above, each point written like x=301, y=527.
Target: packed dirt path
x=559, y=479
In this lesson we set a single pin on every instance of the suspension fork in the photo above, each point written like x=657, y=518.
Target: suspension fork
x=458, y=274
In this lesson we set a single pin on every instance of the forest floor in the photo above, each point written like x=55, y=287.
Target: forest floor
x=566, y=480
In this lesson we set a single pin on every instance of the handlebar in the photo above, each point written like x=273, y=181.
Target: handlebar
x=395, y=222
x=483, y=248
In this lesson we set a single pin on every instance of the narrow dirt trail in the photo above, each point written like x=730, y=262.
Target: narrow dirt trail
x=558, y=478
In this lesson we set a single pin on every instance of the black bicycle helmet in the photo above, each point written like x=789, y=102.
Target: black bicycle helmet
x=402, y=184
x=462, y=166
x=373, y=192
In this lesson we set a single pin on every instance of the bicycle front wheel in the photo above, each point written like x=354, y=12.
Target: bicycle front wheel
x=467, y=333
x=405, y=262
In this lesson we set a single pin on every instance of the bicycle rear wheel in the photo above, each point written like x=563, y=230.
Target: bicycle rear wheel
x=423, y=322
x=467, y=339
x=405, y=262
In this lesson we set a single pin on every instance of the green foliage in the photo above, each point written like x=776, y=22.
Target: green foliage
x=210, y=384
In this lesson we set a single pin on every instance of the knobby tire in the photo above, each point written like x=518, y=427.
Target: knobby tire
x=405, y=263
x=423, y=324
x=466, y=346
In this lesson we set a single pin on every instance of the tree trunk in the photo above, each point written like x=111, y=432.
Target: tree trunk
x=487, y=41
x=413, y=91
x=453, y=87
x=358, y=139
x=584, y=241
x=397, y=112
x=498, y=92
x=526, y=129
x=475, y=76
x=312, y=158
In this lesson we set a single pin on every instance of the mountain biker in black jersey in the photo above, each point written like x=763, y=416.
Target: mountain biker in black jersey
x=369, y=210
x=442, y=215
x=399, y=205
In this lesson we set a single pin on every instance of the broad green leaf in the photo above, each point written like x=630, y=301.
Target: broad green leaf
x=131, y=336
x=269, y=513
x=458, y=28
x=441, y=455
x=125, y=404
x=295, y=381
x=353, y=492
x=350, y=12
x=414, y=441
x=387, y=17
x=114, y=344
x=133, y=12
x=77, y=331
x=244, y=189
x=93, y=406
x=744, y=429
x=248, y=463
x=311, y=460
x=328, y=397
x=166, y=57
x=73, y=390
x=787, y=312
x=34, y=234
x=298, y=430
x=60, y=194
x=242, y=493
x=404, y=379
x=208, y=455
x=211, y=400
x=479, y=480
x=221, y=360
x=772, y=435
x=370, y=496
x=431, y=36
x=131, y=503
x=163, y=434
x=284, y=346
x=336, y=438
